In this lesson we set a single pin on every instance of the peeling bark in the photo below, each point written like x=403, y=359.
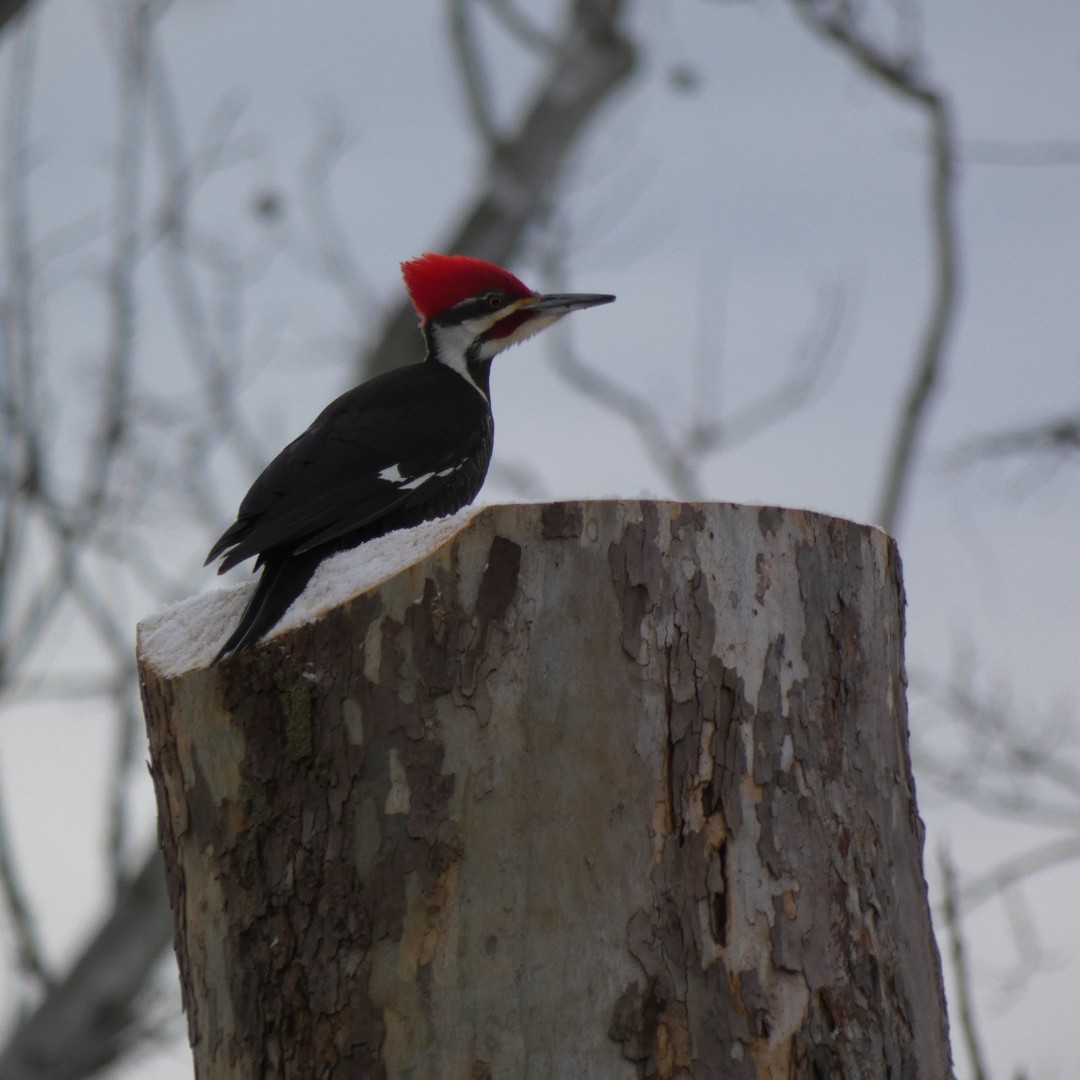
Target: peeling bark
x=604, y=790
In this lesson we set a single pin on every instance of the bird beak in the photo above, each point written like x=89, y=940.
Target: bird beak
x=561, y=303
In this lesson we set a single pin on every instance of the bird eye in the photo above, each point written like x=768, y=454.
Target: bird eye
x=494, y=301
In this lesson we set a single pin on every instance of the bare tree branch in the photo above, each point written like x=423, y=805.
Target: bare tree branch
x=679, y=454
x=523, y=480
x=22, y=444
x=1006, y=766
x=336, y=259
x=1051, y=437
x=115, y=411
x=592, y=58
x=1031, y=152
x=515, y=21
x=89, y=1019
x=9, y=9
x=678, y=467
x=95, y=1014
x=958, y=951
x=195, y=321
x=31, y=954
x=1011, y=766
x=470, y=64
x=61, y=527
x=1020, y=868
x=836, y=20
x=813, y=353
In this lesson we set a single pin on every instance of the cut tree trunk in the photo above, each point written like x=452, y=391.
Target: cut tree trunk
x=591, y=790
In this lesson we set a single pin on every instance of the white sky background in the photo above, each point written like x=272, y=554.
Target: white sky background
x=717, y=215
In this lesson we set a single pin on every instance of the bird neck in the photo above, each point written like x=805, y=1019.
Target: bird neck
x=448, y=346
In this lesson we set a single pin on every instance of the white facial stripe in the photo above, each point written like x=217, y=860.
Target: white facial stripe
x=453, y=342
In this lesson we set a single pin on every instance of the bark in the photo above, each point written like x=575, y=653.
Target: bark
x=603, y=790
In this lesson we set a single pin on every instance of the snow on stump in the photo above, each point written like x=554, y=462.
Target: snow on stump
x=587, y=790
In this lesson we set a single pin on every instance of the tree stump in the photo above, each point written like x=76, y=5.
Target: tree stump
x=590, y=790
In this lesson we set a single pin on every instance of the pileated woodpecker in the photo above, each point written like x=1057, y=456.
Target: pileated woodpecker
x=410, y=445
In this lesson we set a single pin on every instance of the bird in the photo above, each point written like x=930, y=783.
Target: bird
x=409, y=445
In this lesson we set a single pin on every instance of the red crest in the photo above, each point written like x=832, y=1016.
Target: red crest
x=437, y=282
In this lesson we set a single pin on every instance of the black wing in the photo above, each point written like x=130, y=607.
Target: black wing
x=387, y=447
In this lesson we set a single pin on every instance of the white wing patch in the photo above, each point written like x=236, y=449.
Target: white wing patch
x=392, y=475
x=416, y=481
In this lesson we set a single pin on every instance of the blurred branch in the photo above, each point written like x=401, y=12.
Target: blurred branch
x=114, y=398
x=335, y=257
x=818, y=345
x=836, y=20
x=1008, y=767
x=193, y=316
x=522, y=480
x=470, y=65
x=93, y=1017
x=9, y=9
x=31, y=954
x=1005, y=765
x=678, y=467
x=962, y=973
x=53, y=551
x=589, y=61
x=1060, y=436
x=1031, y=152
x=679, y=454
x=22, y=439
x=514, y=20
x=1012, y=871
x=89, y=1019
x=23, y=464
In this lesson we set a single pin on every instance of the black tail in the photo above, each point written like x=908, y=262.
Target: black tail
x=283, y=580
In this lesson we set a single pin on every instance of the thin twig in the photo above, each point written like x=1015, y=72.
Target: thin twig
x=523, y=480
x=528, y=33
x=817, y=348
x=1010, y=765
x=31, y=951
x=90, y=1018
x=1021, y=867
x=22, y=448
x=681, y=458
x=836, y=21
x=474, y=77
x=1023, y=152
x=1058, y=436
x=22, y=437
x=678, y=468
x=961, y=973
x=116, y=389
x=184, y=293
x=10, y=10
x=336, y=258
x=593, y=58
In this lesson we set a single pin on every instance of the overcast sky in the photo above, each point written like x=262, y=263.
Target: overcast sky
x=746, y=173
